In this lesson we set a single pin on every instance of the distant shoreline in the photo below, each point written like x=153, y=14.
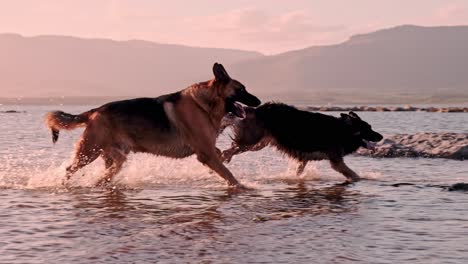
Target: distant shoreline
x=408, y=108
x=306, y=102
x=450, y=109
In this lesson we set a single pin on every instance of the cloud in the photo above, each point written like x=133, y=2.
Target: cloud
x=258, y=29
x=252, y=28
x=451, y=14
x=270, y=26
x=446, y=15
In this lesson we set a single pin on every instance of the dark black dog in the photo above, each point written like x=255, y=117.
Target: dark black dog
x=301, y=135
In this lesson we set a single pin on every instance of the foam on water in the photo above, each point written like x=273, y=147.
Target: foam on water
x=146, y=170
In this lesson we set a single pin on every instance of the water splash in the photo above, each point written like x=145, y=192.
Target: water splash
x=148, y=171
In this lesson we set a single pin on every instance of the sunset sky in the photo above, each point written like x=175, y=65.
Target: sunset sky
x=268, y=26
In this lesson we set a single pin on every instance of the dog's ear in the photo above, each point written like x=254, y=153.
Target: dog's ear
x=347, y=119
x=220, y=73
x=354, y=115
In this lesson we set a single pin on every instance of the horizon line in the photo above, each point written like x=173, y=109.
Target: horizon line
x=210, y=47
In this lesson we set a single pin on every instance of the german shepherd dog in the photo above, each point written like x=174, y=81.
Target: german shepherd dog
x=175, y=125
x=301, y=135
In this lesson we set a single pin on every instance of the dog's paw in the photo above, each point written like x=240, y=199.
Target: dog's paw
x=66, y=183
x=225, y=157
x=238, y=188
x=352, y=180
x=103, y=183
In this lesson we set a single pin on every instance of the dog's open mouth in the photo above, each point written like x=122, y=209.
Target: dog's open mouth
x=238, y=110
x=368, y=144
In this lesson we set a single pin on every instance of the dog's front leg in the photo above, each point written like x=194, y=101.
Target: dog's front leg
x=339, y=166
x=220, y=155
x=236, y=149
x=227, y=154
x=211, y=159
x=199, y=133
x=301, y=167
x=265, y=141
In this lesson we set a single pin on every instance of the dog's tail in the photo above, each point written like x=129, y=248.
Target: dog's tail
x=58, y=120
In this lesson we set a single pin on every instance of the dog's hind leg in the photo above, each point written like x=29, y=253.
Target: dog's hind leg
x=108, y=161
x=339, y=166
x=86, y=152
x=301, y=167
x=114, y=159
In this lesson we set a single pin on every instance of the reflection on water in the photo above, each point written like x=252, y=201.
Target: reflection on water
x=148, y=225
x=371, y=222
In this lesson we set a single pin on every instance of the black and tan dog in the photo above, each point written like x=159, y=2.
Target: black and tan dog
x=175, y=125
x=301, y=135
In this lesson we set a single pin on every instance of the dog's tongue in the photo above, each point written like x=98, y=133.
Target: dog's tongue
x=369, y=145
x=239, y=110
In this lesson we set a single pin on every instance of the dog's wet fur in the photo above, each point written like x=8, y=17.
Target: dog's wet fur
x=176, y=125
x=301, y=135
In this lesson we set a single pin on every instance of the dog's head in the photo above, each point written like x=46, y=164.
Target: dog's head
x=234, y=120
x=233, y=91
x=361, y=129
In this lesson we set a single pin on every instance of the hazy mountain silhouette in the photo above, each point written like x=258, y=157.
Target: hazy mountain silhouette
x=64, y=66
x=401, y=64
x=404, y=61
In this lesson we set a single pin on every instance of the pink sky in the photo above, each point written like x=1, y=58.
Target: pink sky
x=268, y=26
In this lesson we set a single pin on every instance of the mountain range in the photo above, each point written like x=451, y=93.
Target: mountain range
x=404, y=64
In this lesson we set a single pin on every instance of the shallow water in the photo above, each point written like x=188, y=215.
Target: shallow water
x=175, y=211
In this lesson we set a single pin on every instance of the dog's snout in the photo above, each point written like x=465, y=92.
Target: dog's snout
x=255, y=101
x=248, y=99
x=376, y=137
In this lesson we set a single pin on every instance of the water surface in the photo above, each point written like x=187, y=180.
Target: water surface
x=175, y=211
